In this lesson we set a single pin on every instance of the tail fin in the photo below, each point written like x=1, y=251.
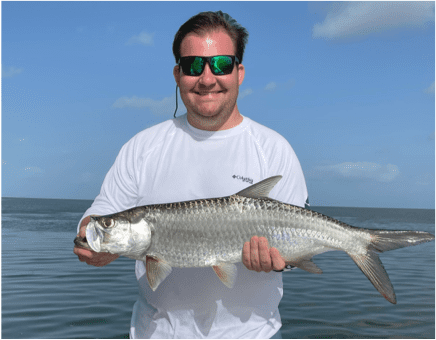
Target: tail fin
x=384, y=240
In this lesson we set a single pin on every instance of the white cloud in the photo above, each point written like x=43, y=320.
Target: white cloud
x=245, y=93
x=165, y=106
x=351, y=19
x=32, y=171
x=425, y=179
x=271, y=86
x=143, y=38
x=10, y=71
x=361, y=170
x=430, y=89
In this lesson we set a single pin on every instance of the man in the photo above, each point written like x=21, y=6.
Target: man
x=211, y=151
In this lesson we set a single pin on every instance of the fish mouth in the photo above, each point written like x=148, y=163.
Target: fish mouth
x=82, y=242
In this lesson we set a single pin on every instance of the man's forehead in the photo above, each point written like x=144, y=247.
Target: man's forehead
x=207, y=33
x=208, y=38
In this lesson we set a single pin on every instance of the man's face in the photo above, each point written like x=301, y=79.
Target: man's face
x=209, y=95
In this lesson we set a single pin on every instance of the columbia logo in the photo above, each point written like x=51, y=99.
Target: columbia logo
x=243, y=179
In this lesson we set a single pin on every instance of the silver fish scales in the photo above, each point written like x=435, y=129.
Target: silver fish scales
x=211, y=233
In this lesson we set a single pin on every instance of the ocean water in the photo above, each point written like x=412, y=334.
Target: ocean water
x=48, y=293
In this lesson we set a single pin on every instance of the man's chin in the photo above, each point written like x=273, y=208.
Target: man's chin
x=212, y=113
x=207, y=120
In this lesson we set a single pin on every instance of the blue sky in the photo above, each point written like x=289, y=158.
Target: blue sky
x=349, y=85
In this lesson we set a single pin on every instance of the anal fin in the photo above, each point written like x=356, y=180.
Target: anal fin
x=306, y=264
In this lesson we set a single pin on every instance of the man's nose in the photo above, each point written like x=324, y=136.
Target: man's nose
x=207, y=77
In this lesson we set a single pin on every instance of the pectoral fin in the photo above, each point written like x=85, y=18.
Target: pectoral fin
x=157, y=271
x=226, y=272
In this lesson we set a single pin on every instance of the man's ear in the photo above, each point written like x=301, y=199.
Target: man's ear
x=241, y=73
x=176, y=73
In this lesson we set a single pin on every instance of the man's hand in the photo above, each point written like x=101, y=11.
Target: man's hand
x=256, y=256
x=91, y=257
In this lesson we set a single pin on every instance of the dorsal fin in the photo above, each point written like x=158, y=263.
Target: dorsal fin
x=261, y=189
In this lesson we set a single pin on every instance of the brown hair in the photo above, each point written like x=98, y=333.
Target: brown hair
x=208, y=22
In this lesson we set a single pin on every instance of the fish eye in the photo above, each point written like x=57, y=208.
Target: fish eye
x=108, y=222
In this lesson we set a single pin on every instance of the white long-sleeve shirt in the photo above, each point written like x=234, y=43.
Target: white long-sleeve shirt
x=171, y=162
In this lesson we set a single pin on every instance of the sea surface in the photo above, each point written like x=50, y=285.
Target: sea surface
x=48, y=293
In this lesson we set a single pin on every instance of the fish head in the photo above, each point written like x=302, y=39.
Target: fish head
x=119, y=235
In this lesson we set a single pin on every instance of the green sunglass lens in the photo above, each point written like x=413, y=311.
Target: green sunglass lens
x=197, y=66
x=222, y=65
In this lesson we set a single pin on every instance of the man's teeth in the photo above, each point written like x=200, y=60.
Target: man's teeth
x=207, y=93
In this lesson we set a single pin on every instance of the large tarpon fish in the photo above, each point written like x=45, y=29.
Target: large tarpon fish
x=212, y=232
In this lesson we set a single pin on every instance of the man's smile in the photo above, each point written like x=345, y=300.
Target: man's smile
x=208, y=93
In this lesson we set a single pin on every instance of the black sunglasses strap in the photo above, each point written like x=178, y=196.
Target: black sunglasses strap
x=176, y=103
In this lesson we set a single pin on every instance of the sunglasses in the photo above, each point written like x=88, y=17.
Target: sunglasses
x=219, y=64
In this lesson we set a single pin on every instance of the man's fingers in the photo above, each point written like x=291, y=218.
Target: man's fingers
x=264, y=255
x=246, y=255
x=277, y=261
x=103, y=259
x=93, y=258
x=254, y=253
x=82, y=232
x=85, y=221
x=83, y=253
x=257, y=256
x=83, y=224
